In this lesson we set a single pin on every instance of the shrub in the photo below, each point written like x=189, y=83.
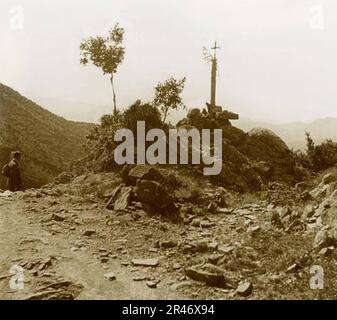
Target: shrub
x=100, y=143
x=142, y=112
x=317, y=157
x=325, y=155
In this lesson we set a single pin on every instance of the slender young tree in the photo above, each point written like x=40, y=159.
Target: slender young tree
x=106, y=53
x=168, y=95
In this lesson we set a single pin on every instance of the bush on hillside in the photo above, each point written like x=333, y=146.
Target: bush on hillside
x=317, y=157
x=325, y=155
x=142, y=112
x=100, y=144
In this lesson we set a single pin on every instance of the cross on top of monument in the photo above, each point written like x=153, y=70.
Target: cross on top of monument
x=213, y=108
x=215, y=48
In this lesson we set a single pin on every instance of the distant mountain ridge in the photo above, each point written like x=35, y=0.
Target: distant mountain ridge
x=294, y=133
x=49, y=143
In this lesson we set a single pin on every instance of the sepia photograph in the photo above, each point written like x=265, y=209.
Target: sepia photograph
x=168, y=155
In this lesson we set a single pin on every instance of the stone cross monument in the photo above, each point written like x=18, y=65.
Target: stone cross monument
x=213, y=79
x=213, y=109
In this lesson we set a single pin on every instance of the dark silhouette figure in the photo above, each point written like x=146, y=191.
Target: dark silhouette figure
x=14, y=176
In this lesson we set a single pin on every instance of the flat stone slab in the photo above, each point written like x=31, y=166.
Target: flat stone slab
x=210, y=274
x=57, y=217
x=120, y=198
x=88, y=232
x=146, y=262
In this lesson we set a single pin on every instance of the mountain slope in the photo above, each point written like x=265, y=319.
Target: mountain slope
x=48, y=142
x=294, y=133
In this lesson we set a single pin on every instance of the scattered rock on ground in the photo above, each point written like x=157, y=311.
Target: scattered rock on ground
x=207, y=273
x=326, y=237
x=89, y=232
x=110, y=276
x=121, y=198
x=57, y=217
x=153, y=262
x=244, y=289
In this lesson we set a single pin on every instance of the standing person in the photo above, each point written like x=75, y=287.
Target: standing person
x=14, y=176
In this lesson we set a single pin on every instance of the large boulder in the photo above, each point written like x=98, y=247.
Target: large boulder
x=233, y=135
x=326, y=187
x=144, y=172
x=264, y=145
x=121, y=198
x=249, y=159
x=233, y=155
x=153, y=193
x=327, y=211
x=326, y=237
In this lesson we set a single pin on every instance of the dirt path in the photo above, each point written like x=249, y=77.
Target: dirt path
x=54, y=269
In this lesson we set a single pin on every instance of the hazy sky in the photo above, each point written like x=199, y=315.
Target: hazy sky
x=278, y=58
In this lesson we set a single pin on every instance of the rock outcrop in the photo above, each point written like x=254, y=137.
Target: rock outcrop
x=142, y=183
x=264, y=145
x=249, y=159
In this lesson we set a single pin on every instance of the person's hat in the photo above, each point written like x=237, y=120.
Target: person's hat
x=16, y=154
